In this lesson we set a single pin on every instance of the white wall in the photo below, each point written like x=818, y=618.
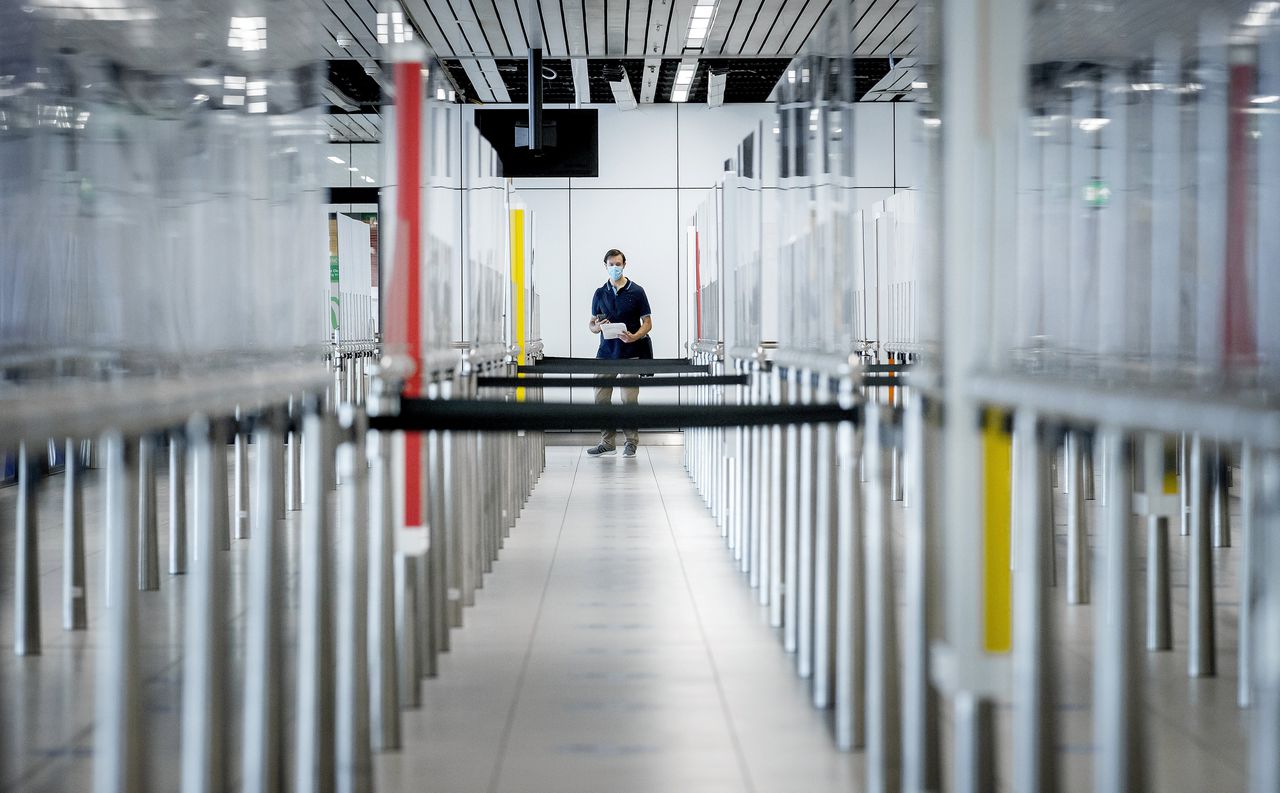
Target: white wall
x=656, y=164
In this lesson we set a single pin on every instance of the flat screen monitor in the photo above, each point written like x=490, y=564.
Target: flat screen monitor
x=569, y=142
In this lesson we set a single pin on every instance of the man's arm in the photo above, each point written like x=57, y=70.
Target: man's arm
x=594, y=323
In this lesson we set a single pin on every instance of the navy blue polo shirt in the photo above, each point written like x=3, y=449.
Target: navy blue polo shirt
x=628, y=305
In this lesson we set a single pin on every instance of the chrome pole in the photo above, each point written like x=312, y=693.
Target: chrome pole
x=824, y=555
x=383, y=673
x=410, y=623
x=1077, y=531
x=1201, y=649
x=884, y=718
x=118, y=732
x=74, y=594
x=1248, y=575
x=791, y=586
x=1034, y=724
x=776, y=518
x=313, y=758
x=806, y=525
x=241, y=449
x=293, y=466
x=204, y=659
x=353, y=762
x=1117, y=720
x=221, y=511
x=921, y=718
x=148, y=572
x=264, y=747
x=26, y=601
x=1264, y=733
x=1159, y=618
x=850, y=644
x=1221, y=499
x=177, y=504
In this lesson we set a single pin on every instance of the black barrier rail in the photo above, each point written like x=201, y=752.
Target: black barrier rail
x=606, y=381
x=613, y=366
x=419, y=415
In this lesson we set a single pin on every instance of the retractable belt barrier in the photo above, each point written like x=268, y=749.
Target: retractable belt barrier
x=614, y=366
x=418, y=415
x=594, y=381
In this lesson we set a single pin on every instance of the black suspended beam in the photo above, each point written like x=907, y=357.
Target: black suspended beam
x=419, y=415
x=607, y=366
x=617, y=382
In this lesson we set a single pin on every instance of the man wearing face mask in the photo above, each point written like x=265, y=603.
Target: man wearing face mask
x=620, y=300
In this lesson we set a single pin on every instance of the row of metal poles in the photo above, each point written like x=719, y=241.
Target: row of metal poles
x=352, y=628
x=805, y=512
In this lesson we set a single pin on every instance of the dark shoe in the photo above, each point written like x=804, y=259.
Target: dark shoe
x=629, y=450
x=601, y=450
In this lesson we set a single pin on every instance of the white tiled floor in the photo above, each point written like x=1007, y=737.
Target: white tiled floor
x=615, y=648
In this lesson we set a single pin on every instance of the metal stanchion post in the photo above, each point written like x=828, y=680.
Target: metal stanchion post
x=1117, y=721
x=204, y=662
x=148, y=572
x=264, y=748
x=74, y=593
x=791, y=522
x=884, y=725
x=805, y=523
x=1201, y=649
x=293, y=466
x=1264, y=733
x=776, y=518
x=222, y=525
x=26, y=618
x=1221, y=499
x=241, y=449
x=921, y=720
x=1159, y=619
x=177, y=504
x=410, y=624
x=353, y=762
x=383, y=678
x=824, y=554
x=850, y=615
x=1184, y=488
x=118, y=733
x=1035, y=728
x=1247, y=575
x=1077, y=531
x=975, y=743
x=313, y=769
x=1047, y=510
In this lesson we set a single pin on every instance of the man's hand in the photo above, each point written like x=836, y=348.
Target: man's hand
x=627, y=337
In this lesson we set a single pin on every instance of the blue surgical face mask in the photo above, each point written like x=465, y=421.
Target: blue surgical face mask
x=615, y=272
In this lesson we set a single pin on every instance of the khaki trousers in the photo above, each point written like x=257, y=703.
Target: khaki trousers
x=604, y=395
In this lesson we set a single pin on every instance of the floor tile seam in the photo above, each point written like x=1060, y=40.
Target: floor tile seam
x=505, y=739
x=743, y=768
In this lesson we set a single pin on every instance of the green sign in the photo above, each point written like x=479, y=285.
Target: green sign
x=1096, y=194
x=333, y=268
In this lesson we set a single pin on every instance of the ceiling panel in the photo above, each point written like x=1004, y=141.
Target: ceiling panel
x=770, y=18
x=896, y=21
x=575, y=26
x=615, y=28
x=637, y=24
x=678, y=27
x=359, y=28
x=514, y=23
x=795, y=14
x=726, y=12
x=495, y=32
x=596, y=23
